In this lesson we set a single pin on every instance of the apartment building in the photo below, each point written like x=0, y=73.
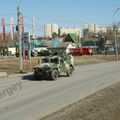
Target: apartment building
x=94, y=28
x=49, y=29
x=68, y=30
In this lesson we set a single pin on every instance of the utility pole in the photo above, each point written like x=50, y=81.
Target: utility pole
x=12, y=28
x=115, y=37
x=115, y=27
x=20, y=43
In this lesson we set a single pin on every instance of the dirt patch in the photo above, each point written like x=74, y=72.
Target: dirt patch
x=103, y=105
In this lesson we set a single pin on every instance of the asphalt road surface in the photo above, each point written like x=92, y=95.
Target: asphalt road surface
x=23, y=98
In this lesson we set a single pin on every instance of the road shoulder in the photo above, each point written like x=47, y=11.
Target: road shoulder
x=3, y=74
x=103, y=105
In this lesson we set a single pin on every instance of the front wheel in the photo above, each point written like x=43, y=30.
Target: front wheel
x=54, y=75
x=36, y=76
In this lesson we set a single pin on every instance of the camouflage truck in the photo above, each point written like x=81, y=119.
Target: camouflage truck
x=52, y=67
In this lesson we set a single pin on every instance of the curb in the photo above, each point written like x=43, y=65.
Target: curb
x=3, y=74
x=20, y=74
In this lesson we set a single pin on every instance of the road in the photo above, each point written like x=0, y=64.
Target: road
x=23, y=98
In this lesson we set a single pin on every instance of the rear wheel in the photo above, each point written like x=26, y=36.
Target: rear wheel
x=70, y=71
x=54, y=75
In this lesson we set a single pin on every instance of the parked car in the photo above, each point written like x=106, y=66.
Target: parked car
x=76, y=51
x=34, y=53
x=43, y=53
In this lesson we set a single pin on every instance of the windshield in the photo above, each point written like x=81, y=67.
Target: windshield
x=54, y=60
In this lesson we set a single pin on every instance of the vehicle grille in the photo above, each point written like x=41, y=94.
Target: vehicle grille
x=39, y=71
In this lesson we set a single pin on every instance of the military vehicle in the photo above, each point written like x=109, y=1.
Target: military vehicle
x=52, y=67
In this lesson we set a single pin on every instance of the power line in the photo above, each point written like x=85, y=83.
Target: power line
x=7, y=14
x=64, y=21
x=58, y=20
x=31, y=28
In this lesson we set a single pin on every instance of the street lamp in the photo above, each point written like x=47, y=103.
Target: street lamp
x=114, y=32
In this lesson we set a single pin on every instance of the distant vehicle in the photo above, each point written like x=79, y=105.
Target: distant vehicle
x=76, y=51
x=87, y=50
x=41, y=51
x=90, y=52
x=53, y=66
x=34, y=53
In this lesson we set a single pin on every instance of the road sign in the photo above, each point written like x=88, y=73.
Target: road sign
x=26, y=44
x=25, y=36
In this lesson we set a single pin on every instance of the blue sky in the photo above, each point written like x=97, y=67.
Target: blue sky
x=63, y=12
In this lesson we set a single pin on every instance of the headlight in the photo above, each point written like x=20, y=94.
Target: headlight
x=36, y=69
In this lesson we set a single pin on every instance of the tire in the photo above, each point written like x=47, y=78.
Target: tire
x=54, y=75
x=72, y=68
x=70, y=71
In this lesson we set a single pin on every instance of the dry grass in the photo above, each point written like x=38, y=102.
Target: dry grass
x=12, y=66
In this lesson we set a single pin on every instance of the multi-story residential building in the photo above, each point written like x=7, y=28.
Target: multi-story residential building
x=93, y=28
x=102, y=29
x=49, y=29
x=75, y=30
